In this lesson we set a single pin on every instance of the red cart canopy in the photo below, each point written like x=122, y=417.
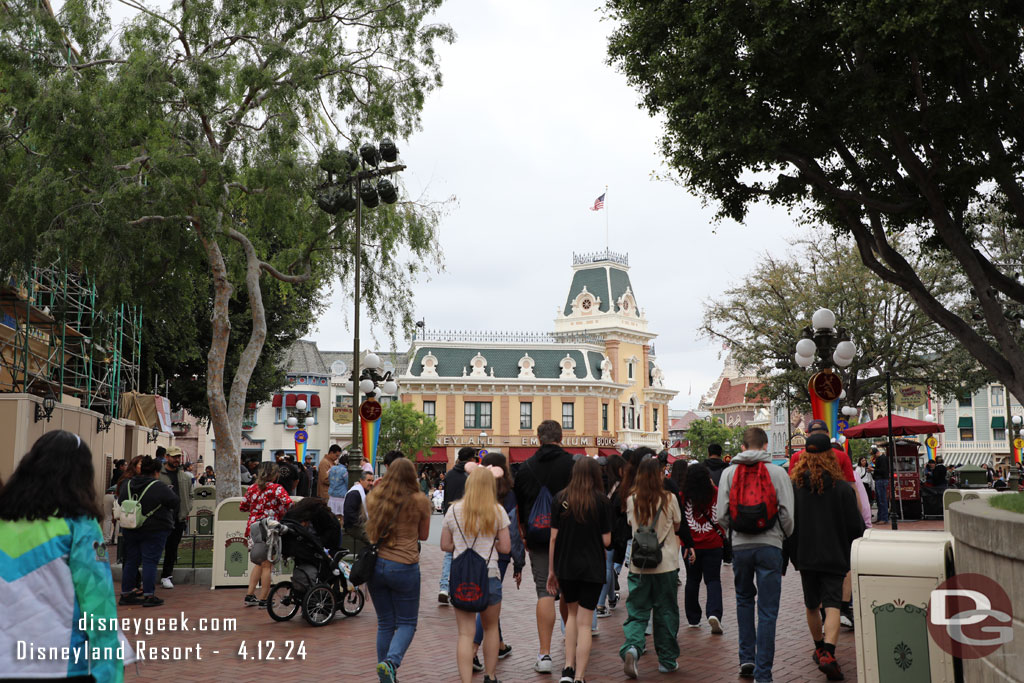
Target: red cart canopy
x=901, y=426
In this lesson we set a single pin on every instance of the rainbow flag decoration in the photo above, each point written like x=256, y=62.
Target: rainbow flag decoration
x=300, y=445
x=371, y=437
x=823, y=408
x=1018, y=444
x=930, y=445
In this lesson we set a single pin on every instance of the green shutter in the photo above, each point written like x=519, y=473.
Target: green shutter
x=998, y=422
x=965, y=423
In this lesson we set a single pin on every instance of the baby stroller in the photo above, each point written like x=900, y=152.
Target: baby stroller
x=319, y=585
x=438, y=500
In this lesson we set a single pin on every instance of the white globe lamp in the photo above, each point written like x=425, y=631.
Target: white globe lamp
x=823, y=319
x=841, y=361
x=389, y=387
x=846, y=349
x=842, y=394
x=292, y=421
x=371, y=361
x=310, y=421
x=300, y=406
x=806, y=347
x=929, y=417
x=366, y=385
x=804, y=361
x=348, y=387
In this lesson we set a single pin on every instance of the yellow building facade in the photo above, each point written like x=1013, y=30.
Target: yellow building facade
x=596, y=374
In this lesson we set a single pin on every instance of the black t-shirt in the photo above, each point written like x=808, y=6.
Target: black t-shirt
x=579, y=550
x=287, y=476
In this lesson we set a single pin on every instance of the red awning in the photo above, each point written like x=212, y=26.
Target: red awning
x=437, y=454
x=520, y=454
x=314, y=400
x=676, y=444
x=606, y=452
x=901, y=426
x=290, y=400
x=575, y=451
x=276, y=401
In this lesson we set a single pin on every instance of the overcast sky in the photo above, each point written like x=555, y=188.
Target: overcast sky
x=529, y=127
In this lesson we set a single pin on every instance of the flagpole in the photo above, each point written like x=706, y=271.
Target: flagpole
x=607, y=241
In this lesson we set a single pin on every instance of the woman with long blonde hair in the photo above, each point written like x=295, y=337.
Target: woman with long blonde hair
x=399, y=518
x=265, y=499
x=478, y=523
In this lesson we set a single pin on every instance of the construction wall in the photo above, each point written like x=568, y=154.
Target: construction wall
x=19, y=430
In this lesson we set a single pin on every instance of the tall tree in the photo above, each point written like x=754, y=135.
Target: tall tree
x=703, y=433
x=762, y=318
x=406, y=429
x=195, y=130
x=892, y=122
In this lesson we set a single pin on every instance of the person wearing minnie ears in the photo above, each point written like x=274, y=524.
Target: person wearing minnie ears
x=475, y=532
x=828, y=520
x=755, y=506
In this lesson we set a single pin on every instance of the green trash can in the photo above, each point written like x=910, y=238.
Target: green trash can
x=972, y=476
x=204, y=523
x=204, y=501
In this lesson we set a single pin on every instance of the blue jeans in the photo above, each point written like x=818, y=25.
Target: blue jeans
x=611, y=571
x=762, y=564
x=707, y=566
x=395, y=591
x=479, y=637
x=141, y=548
x=446, y=572
x=882, y=492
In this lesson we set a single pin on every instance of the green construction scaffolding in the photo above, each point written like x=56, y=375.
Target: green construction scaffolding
x=54, y=339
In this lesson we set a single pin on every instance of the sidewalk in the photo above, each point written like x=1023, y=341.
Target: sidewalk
x=345, y=649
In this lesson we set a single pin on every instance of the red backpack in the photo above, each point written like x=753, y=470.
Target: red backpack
x=753, y=502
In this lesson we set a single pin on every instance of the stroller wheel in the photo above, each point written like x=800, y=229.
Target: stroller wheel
x=353, y=601
x=319, y=605
x=282, y=603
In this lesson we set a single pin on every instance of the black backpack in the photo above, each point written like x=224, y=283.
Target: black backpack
x=470, y=582
x=646, y=546
x=538, y=523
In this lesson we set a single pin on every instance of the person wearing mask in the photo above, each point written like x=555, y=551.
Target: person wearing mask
x=399, y=520
x=653, y=590
x=175, y=476
x=517, y=556
x=55, y=567
x=581, y=530
x=828, y=520
x=455, y=483
x=757, y=557
x=142, y=546
x=323, y=473
x=355, y=515
x=714, y=463
x=264, y=499
x=479, y=523
x=548, y=469
x=703, y=540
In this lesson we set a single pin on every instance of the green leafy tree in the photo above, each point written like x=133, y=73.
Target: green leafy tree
x=403, y=428
x=703, y=433
x=894, y=123
x=763, y=316
x=187, y=142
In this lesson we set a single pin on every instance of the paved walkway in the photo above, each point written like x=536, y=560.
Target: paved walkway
x=345, y=650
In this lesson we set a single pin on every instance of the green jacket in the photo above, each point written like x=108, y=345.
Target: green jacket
x=184, y=488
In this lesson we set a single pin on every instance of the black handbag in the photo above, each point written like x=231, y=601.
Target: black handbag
x=366, y=561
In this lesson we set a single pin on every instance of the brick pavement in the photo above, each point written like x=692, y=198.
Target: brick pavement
x=344, y=650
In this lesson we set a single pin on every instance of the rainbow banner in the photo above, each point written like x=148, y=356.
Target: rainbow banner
x=1018, y=445
x=371, y=437
x=301, y=437
x=824, y=389
x=930, y=444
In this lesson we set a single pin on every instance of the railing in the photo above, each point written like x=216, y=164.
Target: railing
x=507, y=337
x=598, y=256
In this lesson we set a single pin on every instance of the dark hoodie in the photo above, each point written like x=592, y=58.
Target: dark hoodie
x=550, y=466
x=716, y=466
x=826, y=525
x=454, y=484
x=159, y=496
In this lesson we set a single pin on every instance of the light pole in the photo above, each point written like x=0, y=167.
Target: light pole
x=350, y=192
x=1013, y=479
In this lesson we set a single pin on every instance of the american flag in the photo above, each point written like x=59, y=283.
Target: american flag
x=598, y=204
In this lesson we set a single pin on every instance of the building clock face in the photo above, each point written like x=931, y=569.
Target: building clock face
x=586, y=304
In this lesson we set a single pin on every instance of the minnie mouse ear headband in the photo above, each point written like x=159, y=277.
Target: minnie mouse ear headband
x=495, y=470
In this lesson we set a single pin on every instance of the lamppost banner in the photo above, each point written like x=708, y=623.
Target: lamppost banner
x=300, y=445
x=369, y=419
x=824, y=388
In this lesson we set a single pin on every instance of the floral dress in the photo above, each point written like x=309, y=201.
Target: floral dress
x=272, y=502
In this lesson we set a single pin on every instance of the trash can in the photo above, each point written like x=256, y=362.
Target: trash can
x=954, y=495
x=893, y=574
x=204, y=502
x=971, y=476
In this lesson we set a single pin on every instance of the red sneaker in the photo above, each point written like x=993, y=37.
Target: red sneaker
x=816, y=656
x=828, y=665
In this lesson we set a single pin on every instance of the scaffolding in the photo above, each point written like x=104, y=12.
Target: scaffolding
x=54, y=339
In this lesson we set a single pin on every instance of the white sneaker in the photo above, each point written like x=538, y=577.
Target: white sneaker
x=166, y=583
x=715, y=624
x=543, y=664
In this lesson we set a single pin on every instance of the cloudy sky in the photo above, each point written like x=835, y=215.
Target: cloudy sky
x=530, y=126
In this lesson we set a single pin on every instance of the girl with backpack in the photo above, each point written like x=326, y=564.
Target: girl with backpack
x=654, y=517
x=581, y=530
x=703, y=539
x=144, y=543
x=399, y=518
x=475, y=530
x=264, y=499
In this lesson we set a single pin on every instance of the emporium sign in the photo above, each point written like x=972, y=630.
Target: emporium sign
x=521, y=441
